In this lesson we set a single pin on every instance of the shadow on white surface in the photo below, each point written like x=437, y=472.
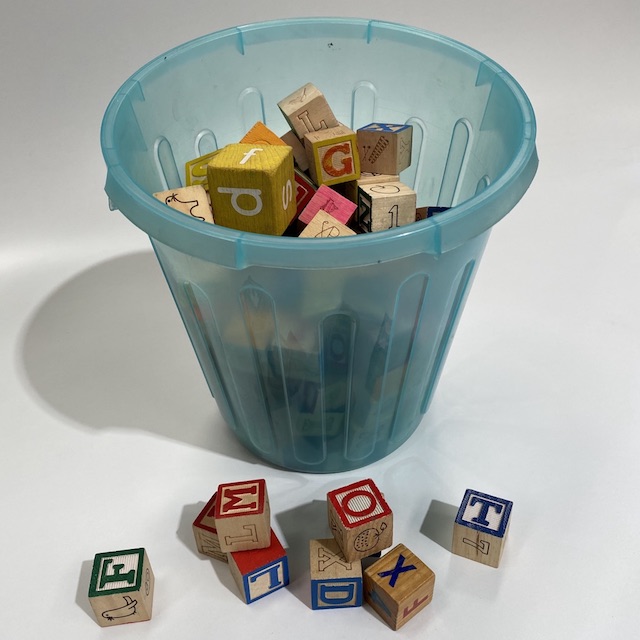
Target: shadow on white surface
x=107, y=349
x=185, y=527
x=438, y=523
x=82, y=593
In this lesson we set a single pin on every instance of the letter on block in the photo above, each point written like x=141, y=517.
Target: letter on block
x=260, y=572
x=330, y=201
x=333, y=155
x=360, y=519
x=252, y=187
x=242, y=516
x=196, y=170
x=335, y=583
x=385, y=148
x=386, y=205
x=121, y=588
x=304, y=191
x=481, y=527
x=206, y=533
x=192, y=201
x=398, y=586
x=323, y=225
x=307, y=110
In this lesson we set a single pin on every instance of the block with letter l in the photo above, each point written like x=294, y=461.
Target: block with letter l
x=121, y=587
x=335, y=582
x=307, y=110
x=481, y=527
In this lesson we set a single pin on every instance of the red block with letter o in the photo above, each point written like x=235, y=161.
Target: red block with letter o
x=360, y=519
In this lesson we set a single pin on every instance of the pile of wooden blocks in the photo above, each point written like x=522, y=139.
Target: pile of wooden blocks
x=319, y=180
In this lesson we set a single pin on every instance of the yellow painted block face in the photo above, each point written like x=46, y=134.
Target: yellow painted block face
x=333, y=155
x=252, y=187
x=196, y=170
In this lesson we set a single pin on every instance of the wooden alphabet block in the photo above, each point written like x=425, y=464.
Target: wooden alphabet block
x=350, y=189
x=307, y=110
x=195, y=170
x=242, y=515
x=481, y=527
x=299, y=154
x=206, y=533
x=332, y=202
x=360, y=519
x=398, y=586
x=335, y=583
x=333, y=155
x=260, y=134
x=385, y=148
x=323, y=225
x=192, y=201
x=252, y=187
x=260, y=572
x=305, y=189
x=121, y=587
x=385, y=205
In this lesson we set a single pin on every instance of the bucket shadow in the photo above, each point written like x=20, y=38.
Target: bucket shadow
x=107, y=349
x=438, y=523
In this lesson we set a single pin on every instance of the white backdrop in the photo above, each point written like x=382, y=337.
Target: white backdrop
x=109, y=438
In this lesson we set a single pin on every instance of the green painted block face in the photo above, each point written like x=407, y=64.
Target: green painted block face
x=116, y=572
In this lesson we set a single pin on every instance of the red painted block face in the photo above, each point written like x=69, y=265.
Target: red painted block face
x=240, y=498
x=330, y=201
x=359, y=503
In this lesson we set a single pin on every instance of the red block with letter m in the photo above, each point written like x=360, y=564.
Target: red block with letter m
x=242, y=516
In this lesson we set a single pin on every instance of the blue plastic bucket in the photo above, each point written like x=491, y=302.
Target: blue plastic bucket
x=323, y=355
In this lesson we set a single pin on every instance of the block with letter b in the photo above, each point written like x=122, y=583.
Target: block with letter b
x=398, y=586
x=385, y=148
x=335, y=582
x=260, y=572
x=121, y=587
x=252, y=187
x=206, y=533
x=307, y=110
x=242, y=515
x=481, y=527
x=360, y=519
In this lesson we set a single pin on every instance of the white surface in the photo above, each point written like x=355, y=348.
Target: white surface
x=110, y=440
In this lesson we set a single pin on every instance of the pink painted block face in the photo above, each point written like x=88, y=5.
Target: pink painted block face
x=330, y=201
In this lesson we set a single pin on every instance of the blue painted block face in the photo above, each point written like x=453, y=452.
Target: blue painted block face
x=336, y=593
x=484, y=513
x=266, y=580
x=386, y=128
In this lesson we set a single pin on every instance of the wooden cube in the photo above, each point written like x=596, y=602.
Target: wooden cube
x=332, y=202
x=307, y=110
x=305, y=190
x=260, y=572
x=398, y=586
x=360, y=519
x=481, y=527
x=385, y=148
x=333, y=155
x=350, y=189
x=242, y=515
x=335, y=583
x=323, y=225
x=299, y=154
x=252, y=187
x=206, y=533
x=385, y=205
x=192, y=201
x=196, y=170
x=121, y=587
x=260, y=134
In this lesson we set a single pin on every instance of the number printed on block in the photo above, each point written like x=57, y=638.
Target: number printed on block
x=192, y=201
x=398, y=586
x=385, y=148
x=242, y=515
x=307, y=110
x=360, y=519
x=206, y=533
x=121, y=587
x=385, y=205
x=260, y=572
x=481, y=527
x=335, y=582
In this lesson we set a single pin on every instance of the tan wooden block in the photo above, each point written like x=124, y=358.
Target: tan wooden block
x=242, y=515
x=335, y=582
x=481, y=527
x=385, y=205
x=398, y=586
x=192, y=201
x=121, y=587
x=360, y=519
x=333, y=155
x=252, y=187
x=260, y=572
x=261, y=134
x=307, y=110
x=205, y=531
x=299, y=154
x=385, y=148
x=324, y=225
x=195, y=171
x=350, y=189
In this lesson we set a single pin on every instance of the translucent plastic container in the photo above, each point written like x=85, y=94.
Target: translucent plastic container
x=323, y=355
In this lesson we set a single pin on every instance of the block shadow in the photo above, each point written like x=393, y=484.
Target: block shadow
x=82, y=597
x=438, y=523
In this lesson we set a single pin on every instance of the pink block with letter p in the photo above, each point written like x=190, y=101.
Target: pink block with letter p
x=332, y=202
